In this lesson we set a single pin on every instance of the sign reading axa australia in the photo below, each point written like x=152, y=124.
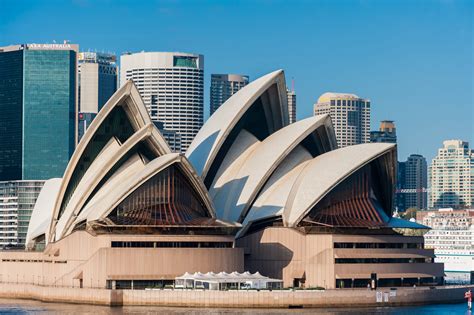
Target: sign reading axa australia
x=65, y=46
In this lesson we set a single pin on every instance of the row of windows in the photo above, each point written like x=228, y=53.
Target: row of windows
x=162, y=83
x=383, y=260
x=389, y=282
x=35, y=261
x=172, y=244
x=166, y=71
x=378, y=245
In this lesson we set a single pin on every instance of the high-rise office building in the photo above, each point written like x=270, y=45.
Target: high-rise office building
x=97, y=80
x=451, y=176
x=386, y=133
x=38, y=105
x=97, y=83
x=291, y=94
x=172, y=137
x=17, y=200
x=224, y=86
x=172, y=87
x=350, y=116
x=83, y=122
x=412, y=183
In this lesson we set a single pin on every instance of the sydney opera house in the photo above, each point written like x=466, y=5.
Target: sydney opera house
x=252, y=193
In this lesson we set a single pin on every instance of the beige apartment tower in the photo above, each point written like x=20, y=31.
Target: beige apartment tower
x=97, y=80
x=350, y=116
x=451, y=176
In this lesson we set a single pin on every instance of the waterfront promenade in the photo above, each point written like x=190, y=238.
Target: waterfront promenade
x=238, y=299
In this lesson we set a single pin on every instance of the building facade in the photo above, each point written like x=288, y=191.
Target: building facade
x=350, y=116
x=451, y=176
x=97, y=80
x=224, y=86
x=172, y=137
x=83, y=122
x=172, y=88
x=412, y=187
x=38, y=106
x=387, y=132
x=291, y=105
x=17, y=200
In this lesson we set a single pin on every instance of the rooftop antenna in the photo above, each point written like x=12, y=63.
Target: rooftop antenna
x=292, y=84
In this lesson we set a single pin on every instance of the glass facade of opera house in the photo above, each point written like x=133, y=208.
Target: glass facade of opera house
x=252, y=193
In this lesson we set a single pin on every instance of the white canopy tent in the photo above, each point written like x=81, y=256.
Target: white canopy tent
x=225, y=281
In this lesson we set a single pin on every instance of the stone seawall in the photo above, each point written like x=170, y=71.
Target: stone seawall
x=237, y=299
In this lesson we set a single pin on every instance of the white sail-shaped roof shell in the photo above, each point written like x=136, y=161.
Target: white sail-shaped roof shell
x=296, y=188
x=254, y=171
x=109, y=156
x=128, y=98
x=245, y=171
x=105, y=205
x=325, y=172
x=209, y=140
x=41, y=216
x=121, y=150
x=133, y=166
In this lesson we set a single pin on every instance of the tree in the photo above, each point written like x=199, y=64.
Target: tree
x=410, y=213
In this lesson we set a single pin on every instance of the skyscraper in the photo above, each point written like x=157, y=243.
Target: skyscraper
x=17, y=200
x=291, y=94
x=412, y=183
x=451, y=176
x=38, y=105
x=386, y=133
x=172, y=87
x=97, y=83
x=97, y=80
x=83, y=122
x=172, y=137
x=350, y=116
x=224, y=86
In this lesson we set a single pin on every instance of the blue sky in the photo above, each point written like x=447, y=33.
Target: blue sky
x=413, y=59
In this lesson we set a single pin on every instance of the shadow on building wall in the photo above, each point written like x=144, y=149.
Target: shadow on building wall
x=449, y=200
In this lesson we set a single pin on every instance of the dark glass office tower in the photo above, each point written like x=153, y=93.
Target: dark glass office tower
x=11, y=112
x=223, y=86
x=38, y=110
x=412, y=183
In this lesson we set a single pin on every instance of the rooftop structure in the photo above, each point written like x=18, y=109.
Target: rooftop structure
x=386, y=133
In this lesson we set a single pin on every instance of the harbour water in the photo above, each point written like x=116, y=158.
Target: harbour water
x=8, y=306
